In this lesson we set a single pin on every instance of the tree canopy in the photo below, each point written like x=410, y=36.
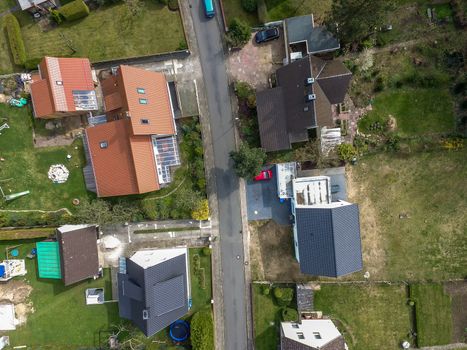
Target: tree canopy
x=352, y=21
x=239, y=33
x=248, y=161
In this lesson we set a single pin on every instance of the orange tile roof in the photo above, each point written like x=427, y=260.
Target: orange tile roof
x=113, y=101
x=74, y=73
x=158, y=109
x=127, y=165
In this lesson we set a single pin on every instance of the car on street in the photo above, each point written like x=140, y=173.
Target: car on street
x=264, y=175
x=209, y=8
x=266, y=35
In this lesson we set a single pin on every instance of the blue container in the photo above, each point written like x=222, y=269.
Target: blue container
x=2, y=270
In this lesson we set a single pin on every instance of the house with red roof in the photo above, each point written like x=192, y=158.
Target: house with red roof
x=64, y=88
x=133, y=151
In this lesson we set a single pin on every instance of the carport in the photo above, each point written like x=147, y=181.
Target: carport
x=263, y=202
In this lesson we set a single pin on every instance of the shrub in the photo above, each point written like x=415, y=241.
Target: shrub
x=32, y=63
x=182, y=45
x=173, y=5
x=284, y=296
x=379, y=84
x=243, y=90
x=15, y=39
x=265, y=290
x=74, y=10
x=201, y=212
x=206, y=251
x=239, y=33
x=248, y=161
x=393, y=143
x=202, y=331
x=249, y=5
x=56, y=16
x=346, y=152
x=289, y=314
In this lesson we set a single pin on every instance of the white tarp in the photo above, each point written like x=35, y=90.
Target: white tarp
x=7, y=317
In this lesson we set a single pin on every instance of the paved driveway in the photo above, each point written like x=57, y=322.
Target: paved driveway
x=263, y=203
x=254, y=63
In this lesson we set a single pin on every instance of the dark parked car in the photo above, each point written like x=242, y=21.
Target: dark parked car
x=266, y=35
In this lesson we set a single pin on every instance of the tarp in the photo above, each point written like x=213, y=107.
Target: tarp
x=48, y=260
x=2, y=270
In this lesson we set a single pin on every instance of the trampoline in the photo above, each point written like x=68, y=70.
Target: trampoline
x=179, y=331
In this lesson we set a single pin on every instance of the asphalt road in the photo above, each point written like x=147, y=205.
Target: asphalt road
x=208, y=33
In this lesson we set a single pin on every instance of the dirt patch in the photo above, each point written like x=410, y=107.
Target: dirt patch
x=272, y=254
x=458, y=293
x=374, y=255
x=17, y=293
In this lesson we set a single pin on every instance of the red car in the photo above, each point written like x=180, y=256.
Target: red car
x=264, y=175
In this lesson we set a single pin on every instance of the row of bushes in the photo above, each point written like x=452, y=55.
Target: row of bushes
x=283, y=296
x=13, y=235
x=26, y=219
x=15, y=39
x=202, y=330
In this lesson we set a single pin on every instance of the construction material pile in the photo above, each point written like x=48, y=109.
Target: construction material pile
x=58, y=173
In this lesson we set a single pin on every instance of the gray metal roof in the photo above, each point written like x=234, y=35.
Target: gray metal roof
x=164, y=294
x=318, y=39
x=329, y=240
x=304, y=298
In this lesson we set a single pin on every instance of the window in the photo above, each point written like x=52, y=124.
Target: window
x=317, y=335
x=145, y=315
x=140, y=90
x=294, y=325
x=144, y=121
x=143, y=101
x=59, y=82
x=300, y=335
x=103, y=144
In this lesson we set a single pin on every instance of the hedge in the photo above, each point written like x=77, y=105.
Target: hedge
x=15, y=39
x=202, y=331
x=74, y=10
x=10, y=235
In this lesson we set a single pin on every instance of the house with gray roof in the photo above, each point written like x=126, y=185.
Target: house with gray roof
x=302, y=100
x=154, y=288
x=317, y=334
x=326, y=233
x=304, y=38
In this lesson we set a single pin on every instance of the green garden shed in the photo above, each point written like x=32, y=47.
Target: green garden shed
x=48, y=260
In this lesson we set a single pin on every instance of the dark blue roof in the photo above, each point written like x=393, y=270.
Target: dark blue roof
x=329, y=240
x=160, y=291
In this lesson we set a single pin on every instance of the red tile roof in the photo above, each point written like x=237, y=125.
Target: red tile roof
x=73, y=73
x=153, y=89
x=127, y=165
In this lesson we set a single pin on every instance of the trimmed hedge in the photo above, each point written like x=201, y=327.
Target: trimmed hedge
x=10, y=235
x=74, y=10
x=15, y=39
x=202, y=330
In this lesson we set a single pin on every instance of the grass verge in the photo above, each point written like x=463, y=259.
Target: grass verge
x=432, y=314
x=8, y=235
x=370, y=317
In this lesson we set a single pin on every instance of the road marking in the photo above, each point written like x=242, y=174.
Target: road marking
x=129, y=235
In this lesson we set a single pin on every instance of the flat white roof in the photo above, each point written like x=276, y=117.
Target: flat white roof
x=68, y=228
x=311, y=191
x=286, y=172
x=26, y=4
x=7, y=317
x=148, y=258
x=312, y=333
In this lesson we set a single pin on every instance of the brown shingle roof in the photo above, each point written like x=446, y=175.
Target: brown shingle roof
x=78, y=252
x=127, y=165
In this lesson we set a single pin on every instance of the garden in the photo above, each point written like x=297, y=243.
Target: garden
x=56, y=316
x=97, y=35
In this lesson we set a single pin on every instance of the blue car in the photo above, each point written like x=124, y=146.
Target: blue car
x=209, y=8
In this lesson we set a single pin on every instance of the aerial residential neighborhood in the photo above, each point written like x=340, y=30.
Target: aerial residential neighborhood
x=233, y=174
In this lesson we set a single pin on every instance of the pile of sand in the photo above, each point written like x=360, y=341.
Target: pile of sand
x=17, y=293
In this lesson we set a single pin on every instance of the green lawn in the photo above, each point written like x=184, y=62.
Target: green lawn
x=234, y=9
x=405, y=201
x=26, y=167
x=267, y=317
x=433, y=314
x=60, y=318
x=107, y=33
x=281, y=9
x=371, y=317
x=417, y=111
x=201, y=294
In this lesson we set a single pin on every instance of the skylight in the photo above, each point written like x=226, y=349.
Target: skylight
x=85, y=100
x=143, y=101
x=103, y=144
x=140, y=90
